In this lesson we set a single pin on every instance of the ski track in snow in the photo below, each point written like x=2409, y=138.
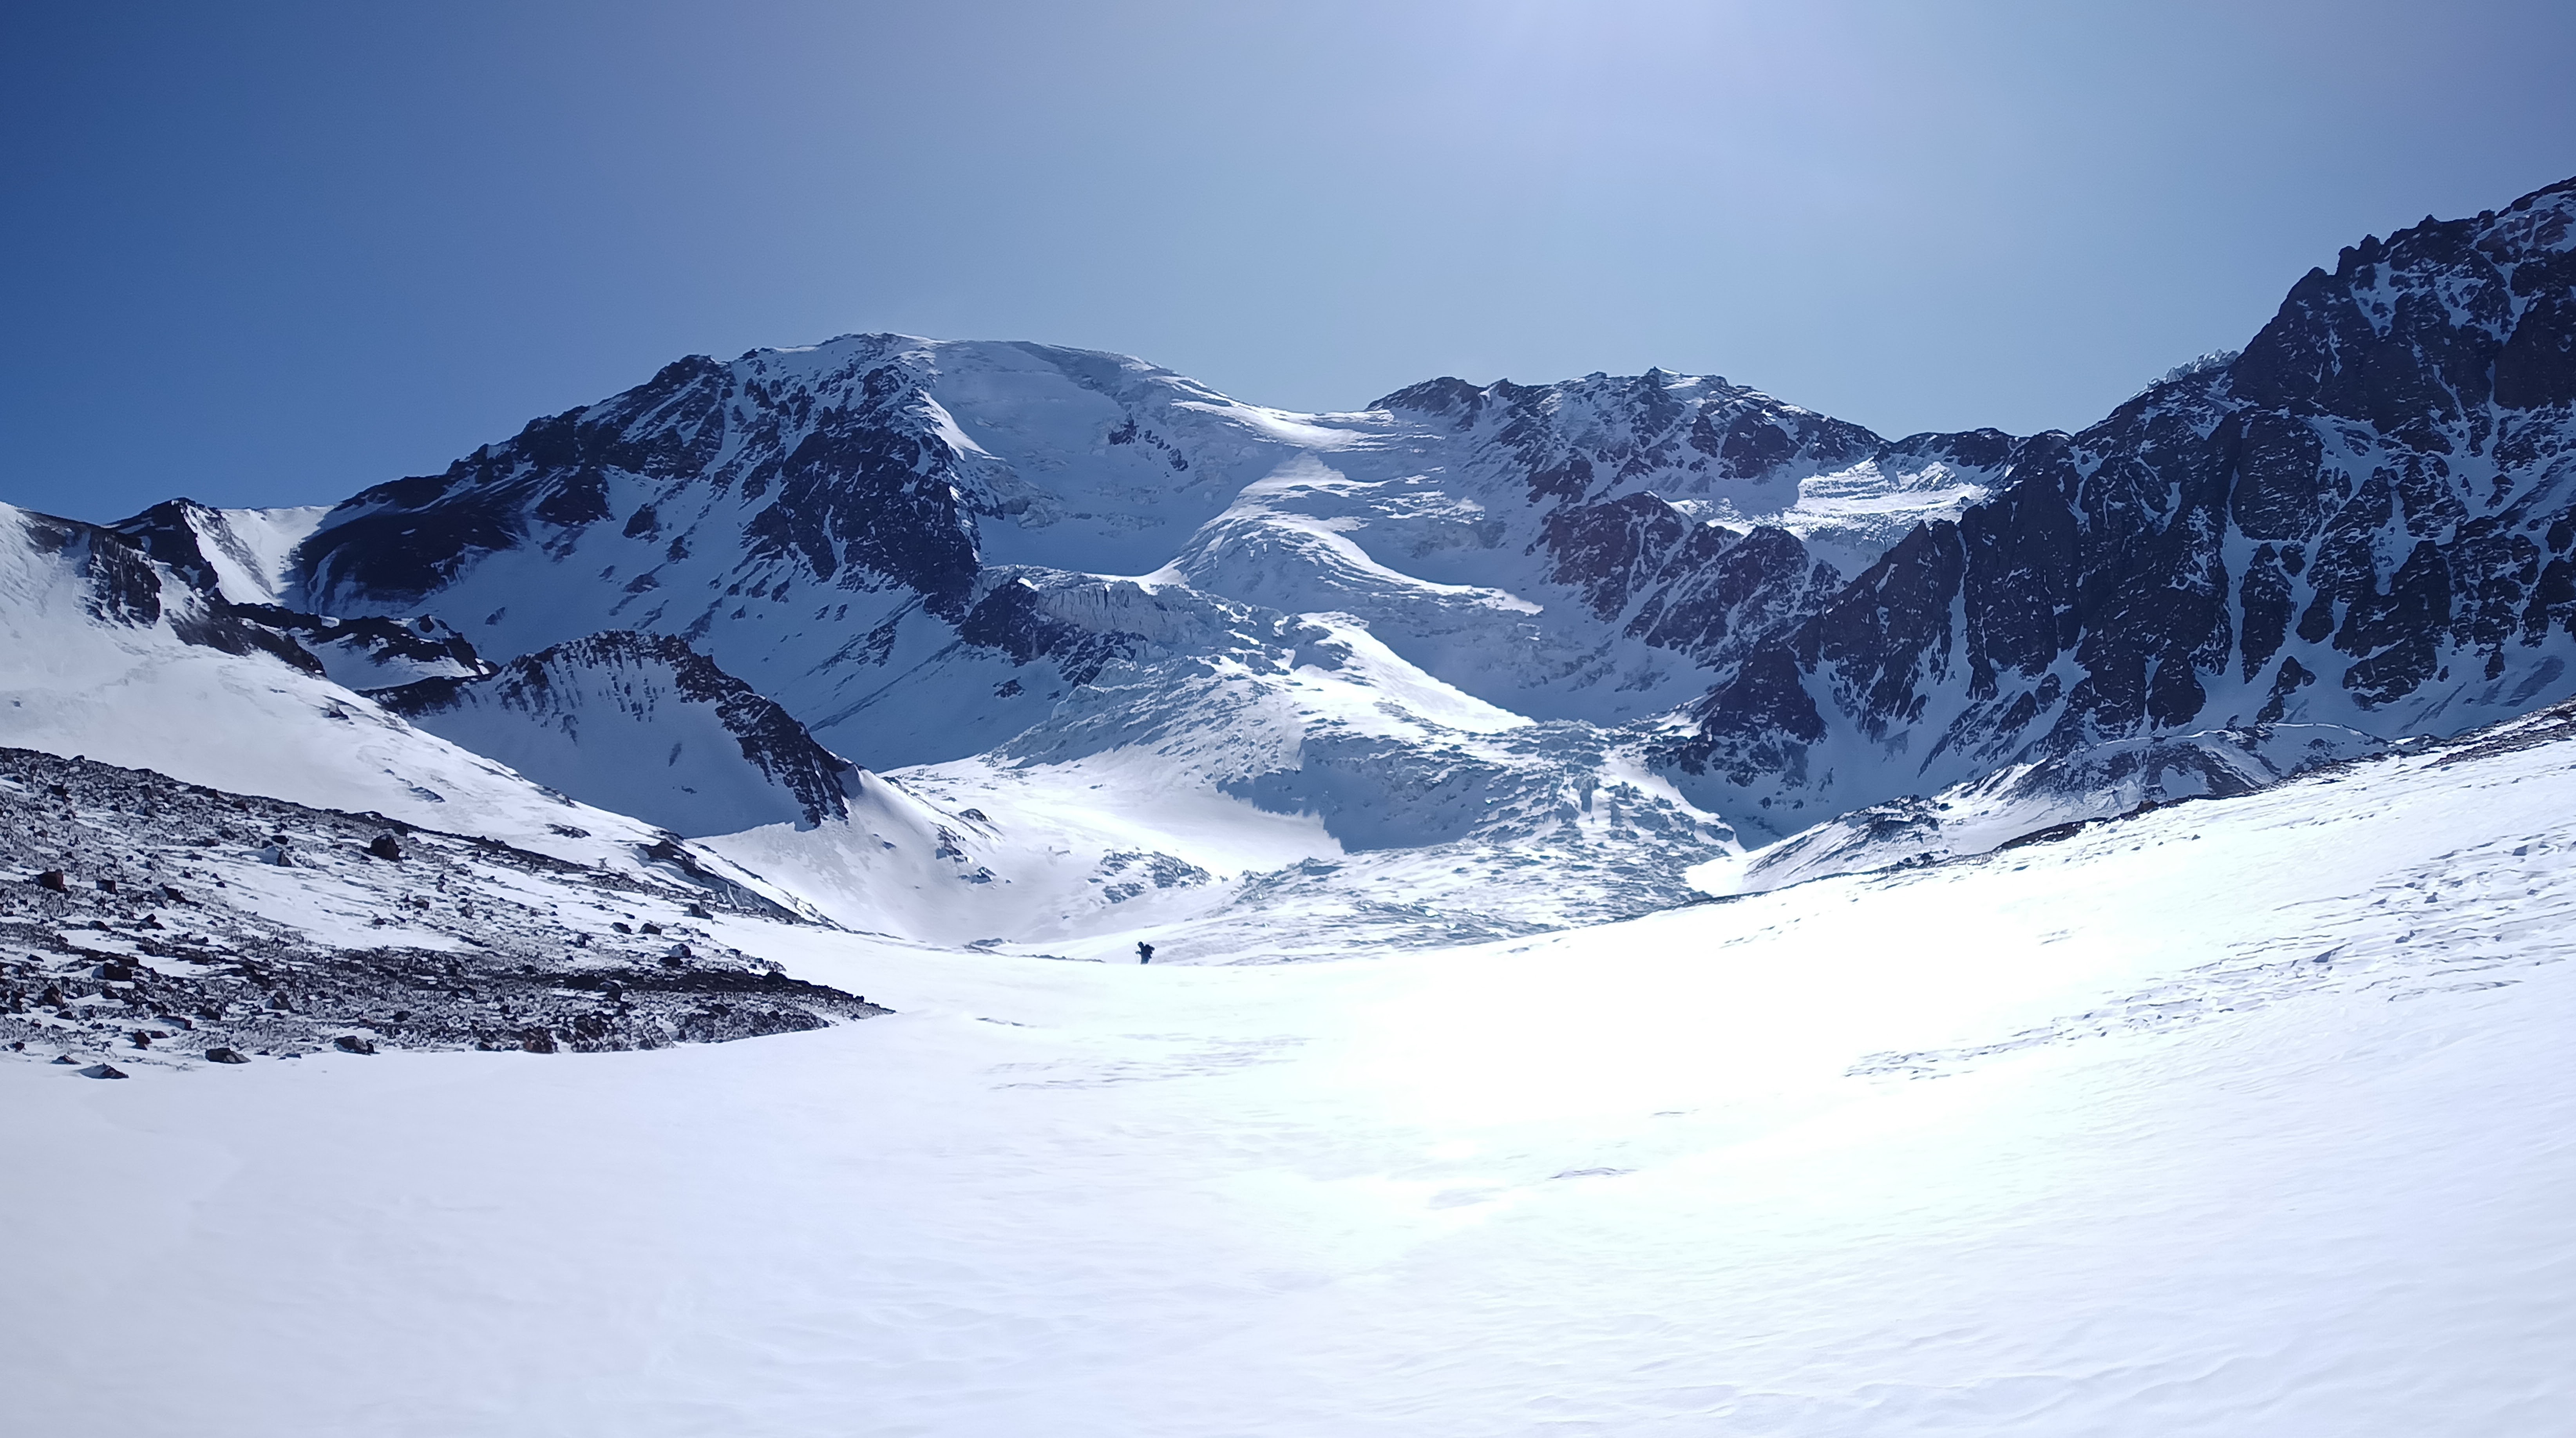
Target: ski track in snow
x=2073, y=1138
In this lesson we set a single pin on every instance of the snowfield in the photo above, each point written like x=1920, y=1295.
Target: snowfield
x=2242, y=1116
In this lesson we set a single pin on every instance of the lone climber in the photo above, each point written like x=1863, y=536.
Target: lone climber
x=1144, y=953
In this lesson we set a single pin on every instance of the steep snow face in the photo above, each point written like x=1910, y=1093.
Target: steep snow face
x=2367, y=519
x=2247, y=1118
x=242, y=555
x=641, y=725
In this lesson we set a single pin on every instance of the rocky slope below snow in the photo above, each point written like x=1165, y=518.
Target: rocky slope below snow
x=147, y=921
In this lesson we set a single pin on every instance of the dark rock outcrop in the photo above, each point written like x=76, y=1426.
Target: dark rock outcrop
x=2365, y=519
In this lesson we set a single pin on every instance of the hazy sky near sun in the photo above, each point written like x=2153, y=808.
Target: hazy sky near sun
x=268, y=254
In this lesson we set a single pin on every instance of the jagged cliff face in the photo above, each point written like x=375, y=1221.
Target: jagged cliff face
x=2364, y=519
x=1688, y=515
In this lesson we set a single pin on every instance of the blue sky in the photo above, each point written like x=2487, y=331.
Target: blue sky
x=273, y=253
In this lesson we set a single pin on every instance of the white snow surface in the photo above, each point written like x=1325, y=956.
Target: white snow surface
x=2241, y=1116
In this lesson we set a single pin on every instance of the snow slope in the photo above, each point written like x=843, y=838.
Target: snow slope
x=2237, y=1116
x=104, y=655
x=644, y=726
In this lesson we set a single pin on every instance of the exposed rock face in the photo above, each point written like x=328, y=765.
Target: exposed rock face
x=370, y=652
x=1643, y=486
x=641, y=724
x=240, y=554
x=2364, y=519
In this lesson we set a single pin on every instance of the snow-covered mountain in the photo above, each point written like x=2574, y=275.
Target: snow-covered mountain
x=1477, y=659
x=861, y=527
x=996, y=569
x=2365, y=519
